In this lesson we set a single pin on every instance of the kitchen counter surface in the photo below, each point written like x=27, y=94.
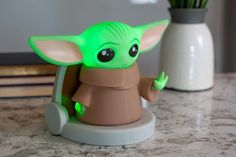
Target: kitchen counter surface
x=195, y=124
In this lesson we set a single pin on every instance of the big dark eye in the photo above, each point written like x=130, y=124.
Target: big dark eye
x=133, y=51
x=106, y=55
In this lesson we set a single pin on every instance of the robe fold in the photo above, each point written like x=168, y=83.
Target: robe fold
x=112, y=96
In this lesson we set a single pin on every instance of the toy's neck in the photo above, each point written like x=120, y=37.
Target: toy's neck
x=116, y=78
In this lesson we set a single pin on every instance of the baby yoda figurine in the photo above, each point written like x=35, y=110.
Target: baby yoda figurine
x=111, y=87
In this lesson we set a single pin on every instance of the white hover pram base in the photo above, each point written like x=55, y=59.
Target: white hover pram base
x=59, y=123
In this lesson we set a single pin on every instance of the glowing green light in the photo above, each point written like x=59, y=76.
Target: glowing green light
x=64, y=100
x=79, y=108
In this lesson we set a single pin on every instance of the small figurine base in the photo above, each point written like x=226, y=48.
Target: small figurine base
x=98, y=81
x=99, y=135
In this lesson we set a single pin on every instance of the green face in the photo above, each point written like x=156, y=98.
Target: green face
x=110, y=45
x=103, y=45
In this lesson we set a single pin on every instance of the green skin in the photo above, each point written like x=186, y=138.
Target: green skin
x=113, y=35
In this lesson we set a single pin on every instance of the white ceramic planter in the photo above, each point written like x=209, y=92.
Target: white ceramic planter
x=187, y=56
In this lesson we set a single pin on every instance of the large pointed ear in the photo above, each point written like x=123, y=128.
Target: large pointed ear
x=151, y=34
x=59, y=50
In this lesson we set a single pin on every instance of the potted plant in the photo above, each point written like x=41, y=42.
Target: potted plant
x=187, y=53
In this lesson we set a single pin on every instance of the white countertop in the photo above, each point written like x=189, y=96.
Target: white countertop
x=195, y=124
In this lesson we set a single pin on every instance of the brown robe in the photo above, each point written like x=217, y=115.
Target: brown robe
x=112, y=96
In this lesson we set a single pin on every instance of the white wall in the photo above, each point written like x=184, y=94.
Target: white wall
x=216, y=21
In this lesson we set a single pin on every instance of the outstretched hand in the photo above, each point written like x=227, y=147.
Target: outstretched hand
x=80, y=109
x=160, y=82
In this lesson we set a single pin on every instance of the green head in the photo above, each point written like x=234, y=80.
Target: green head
x=103, y=45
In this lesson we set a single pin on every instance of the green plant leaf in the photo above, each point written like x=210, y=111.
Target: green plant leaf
x=172, y=3
x=190, y=3
x=203, y=3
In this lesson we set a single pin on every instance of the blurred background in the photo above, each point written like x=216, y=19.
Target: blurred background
x=21, y=19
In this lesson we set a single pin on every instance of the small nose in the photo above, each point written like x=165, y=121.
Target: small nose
x=125, y=60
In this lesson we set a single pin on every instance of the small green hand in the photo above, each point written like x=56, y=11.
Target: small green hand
x=80, y=108
x=160, y=81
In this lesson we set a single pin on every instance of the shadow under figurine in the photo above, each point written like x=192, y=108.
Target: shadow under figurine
x=110, y=88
